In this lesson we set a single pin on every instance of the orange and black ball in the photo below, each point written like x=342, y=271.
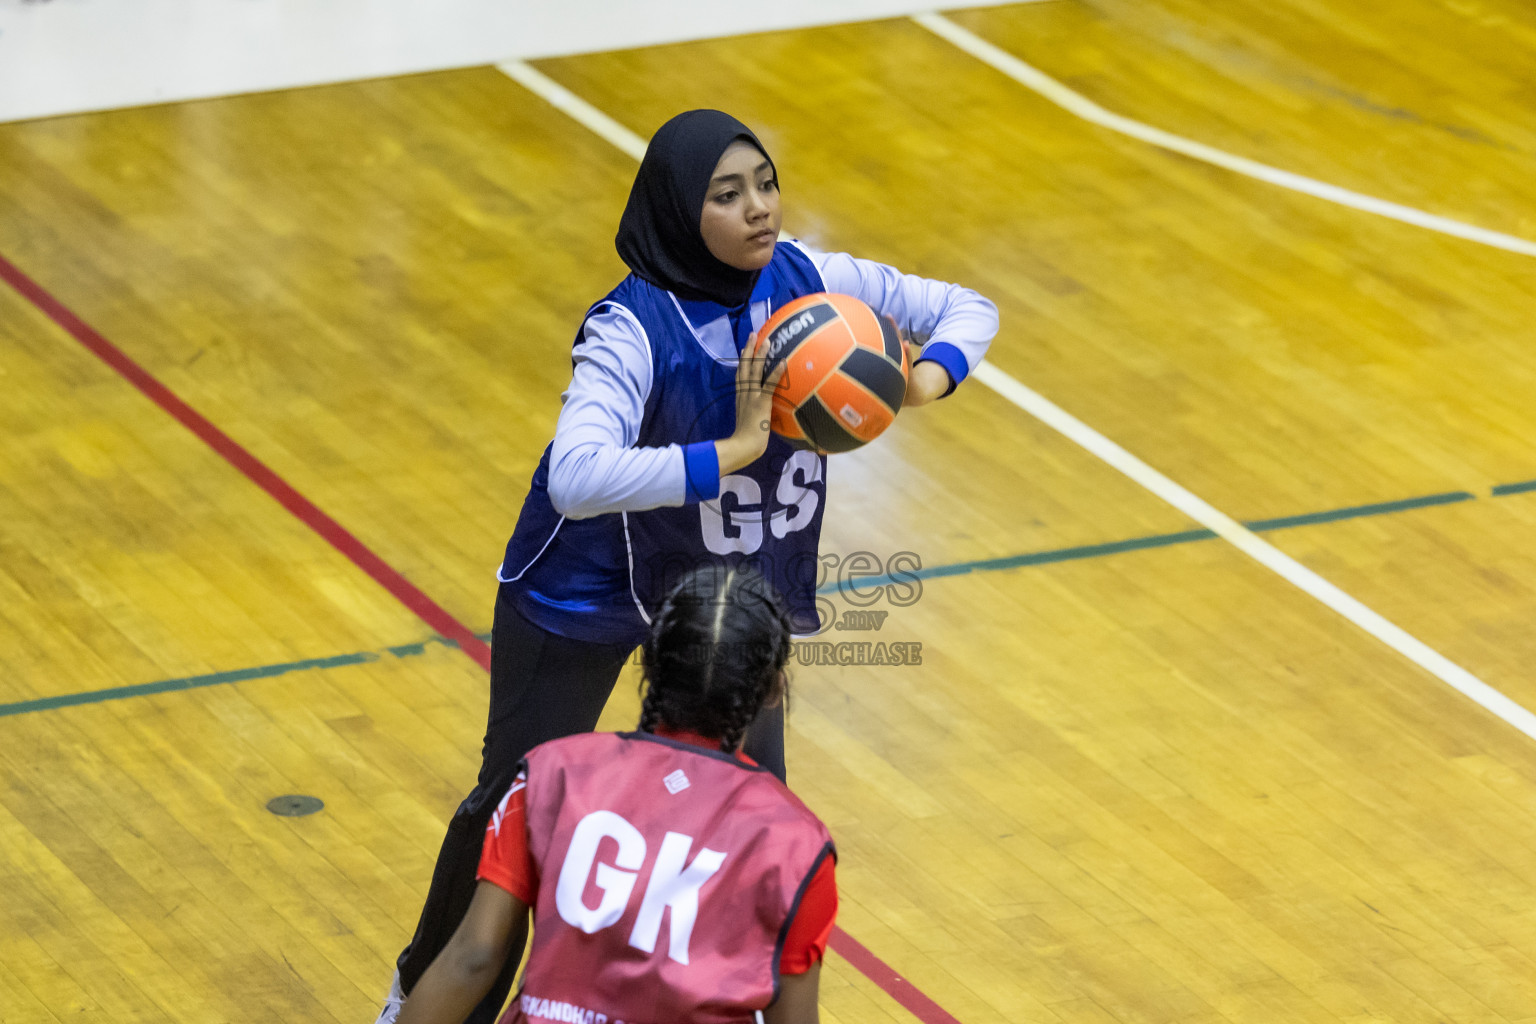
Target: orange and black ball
x=845, y=374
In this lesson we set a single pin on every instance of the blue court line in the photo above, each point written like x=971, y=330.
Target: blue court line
x=931, y=572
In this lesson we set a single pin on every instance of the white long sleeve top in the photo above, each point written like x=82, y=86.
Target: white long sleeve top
x=594, y=465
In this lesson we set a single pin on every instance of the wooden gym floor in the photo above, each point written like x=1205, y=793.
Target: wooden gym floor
x=1136, y=778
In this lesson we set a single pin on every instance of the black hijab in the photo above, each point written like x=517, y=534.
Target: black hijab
x=659, y=233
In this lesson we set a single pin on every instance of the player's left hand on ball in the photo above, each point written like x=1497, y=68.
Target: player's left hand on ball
x=925, y=382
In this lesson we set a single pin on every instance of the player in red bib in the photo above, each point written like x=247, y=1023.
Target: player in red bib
x=670, y=879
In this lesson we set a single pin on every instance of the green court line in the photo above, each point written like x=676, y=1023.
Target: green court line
x=1143, y=543
x=238, y=675
x=1378, y=509
x=931, y=572
x=1161, y=540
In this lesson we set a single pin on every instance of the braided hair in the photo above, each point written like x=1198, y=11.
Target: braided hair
x=715, y=654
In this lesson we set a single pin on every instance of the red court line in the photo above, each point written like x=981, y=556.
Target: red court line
x=846, y=946
x=307, y=512
x=881, y=973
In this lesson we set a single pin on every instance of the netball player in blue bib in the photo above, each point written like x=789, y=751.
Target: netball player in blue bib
x=662, y=460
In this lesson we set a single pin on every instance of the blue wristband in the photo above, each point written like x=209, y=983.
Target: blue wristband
x=949, y=357
x=701, y=465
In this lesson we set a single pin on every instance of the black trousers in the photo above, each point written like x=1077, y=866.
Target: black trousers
x=543, y=686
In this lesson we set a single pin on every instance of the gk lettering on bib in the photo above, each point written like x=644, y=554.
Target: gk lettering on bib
x=674, y=883
x=667, y=875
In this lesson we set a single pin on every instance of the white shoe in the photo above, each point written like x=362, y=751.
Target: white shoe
x=393, y=1003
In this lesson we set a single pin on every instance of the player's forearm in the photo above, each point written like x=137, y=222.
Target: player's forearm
x=935, y=312
x=741, y=449
x=798, y=998
x=928, y=381
x=589, y=478
x=455, y=983
x=492, y=933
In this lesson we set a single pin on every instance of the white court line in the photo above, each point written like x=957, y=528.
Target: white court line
x=1080, y=433
x=562, y=99
x=1261, y=551
x=1076, y=103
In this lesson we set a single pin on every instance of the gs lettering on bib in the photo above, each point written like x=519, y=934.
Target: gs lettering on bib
x=767, y=513
x=599, y=579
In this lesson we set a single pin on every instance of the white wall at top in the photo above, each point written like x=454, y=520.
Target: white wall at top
x=66, y=56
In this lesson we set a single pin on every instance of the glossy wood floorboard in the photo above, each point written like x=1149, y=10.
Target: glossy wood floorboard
x=1426, y=104
x=134, y=553
x=1460, y=574
x=1150, y=786
x=1385, y=102
x=1150, y=803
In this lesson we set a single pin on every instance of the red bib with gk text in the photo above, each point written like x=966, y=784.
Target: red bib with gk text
x=668, y=875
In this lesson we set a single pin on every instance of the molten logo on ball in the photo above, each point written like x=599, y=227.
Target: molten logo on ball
x=784, y=337
x=845, y=372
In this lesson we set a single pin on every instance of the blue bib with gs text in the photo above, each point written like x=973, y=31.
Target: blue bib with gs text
x=600, y=579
